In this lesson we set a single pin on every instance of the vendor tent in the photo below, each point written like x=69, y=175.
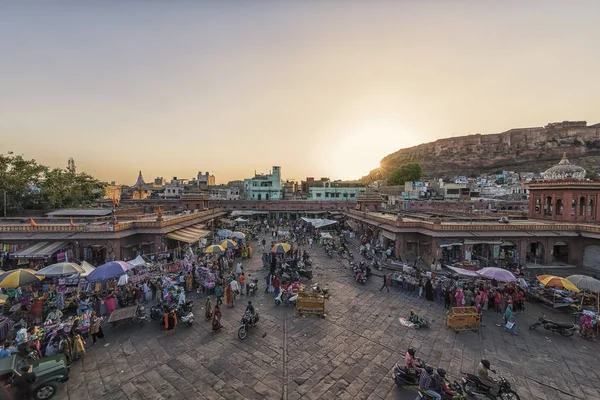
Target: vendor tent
x=138, y=261
x=326, y=235
x=462, y=271
x=240, y=219
x=87, y=268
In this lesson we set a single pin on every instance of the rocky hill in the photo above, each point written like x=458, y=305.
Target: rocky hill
x=519, y=150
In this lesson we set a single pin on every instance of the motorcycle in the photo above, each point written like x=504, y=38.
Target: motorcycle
x=557, y=327
x=185, y=314
x=140, y=314
x=282, y=297
x=158, y=311
x=247, y=324
x=456, y=387
x=472, y=386
x=253, y=287
x=403, y=377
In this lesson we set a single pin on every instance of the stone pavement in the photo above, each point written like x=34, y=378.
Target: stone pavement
x=347, y=355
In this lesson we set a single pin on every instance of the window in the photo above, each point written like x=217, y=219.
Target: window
x=318, y=194
x=452, y=191
x=352, y=195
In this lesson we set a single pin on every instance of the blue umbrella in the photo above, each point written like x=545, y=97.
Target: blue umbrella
x=111, y=269
x=224, y=233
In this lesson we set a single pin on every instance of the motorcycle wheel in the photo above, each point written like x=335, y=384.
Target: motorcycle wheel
x=567, y=332
x=190, y=323
x=277, y=302
x=509, y=395
x=242, y=333
x=469, y=388
x=534, y=325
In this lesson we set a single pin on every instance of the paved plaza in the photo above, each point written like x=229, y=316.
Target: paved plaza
x=347, y=355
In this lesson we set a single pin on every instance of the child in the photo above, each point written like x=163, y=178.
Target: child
x=242, y=283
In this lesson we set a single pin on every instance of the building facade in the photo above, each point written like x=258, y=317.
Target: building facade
x=335, y=191
x=264, y=186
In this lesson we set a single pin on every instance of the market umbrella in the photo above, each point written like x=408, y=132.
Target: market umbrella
x=214, y=249
x=557, y=281
x=281, y=248
x=498, y=274
x=60, y=269
x=326, y=235
x=87, y=268
x=586, y=283
x=225, y=233
x=228, y=244
x=18, y=277
x=111, y=269
x=238, y=235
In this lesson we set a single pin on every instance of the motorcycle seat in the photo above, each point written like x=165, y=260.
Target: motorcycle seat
x=568, y=326
x=476, y=379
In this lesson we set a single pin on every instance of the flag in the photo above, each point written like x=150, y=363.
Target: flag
x=32, y=222
x=115, y=201
x=71, y=224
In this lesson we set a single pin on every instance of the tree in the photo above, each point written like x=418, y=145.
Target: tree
x=406, y=173
x=30, y=185
x=591, y=175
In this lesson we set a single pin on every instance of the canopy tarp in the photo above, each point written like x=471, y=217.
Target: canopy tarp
x=240, y=219
x=462, y=271
x=190, y=234
x=39, y=250
x=138, y=261
x=318, y=222
x=238, y=213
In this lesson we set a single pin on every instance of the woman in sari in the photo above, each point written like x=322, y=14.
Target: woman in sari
x=110, y=303
x=229, y=296
x=216, y=322
x=188, y=282
x=509, y=319
x=78, y=347
x=208, y=313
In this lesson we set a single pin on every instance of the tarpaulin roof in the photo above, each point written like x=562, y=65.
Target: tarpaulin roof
x=318, y=222
x=190, y=234
x=39, y=250
x=462, y=271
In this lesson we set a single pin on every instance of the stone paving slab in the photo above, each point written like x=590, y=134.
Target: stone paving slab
x=347, y=355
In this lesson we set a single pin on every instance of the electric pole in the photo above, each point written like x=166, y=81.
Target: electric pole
x=5, y=203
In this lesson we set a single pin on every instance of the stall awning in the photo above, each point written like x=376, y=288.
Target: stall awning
x=450, y=244
x=462, y=271
x=190, y=234
x=482, y=241
x=352, y=224
x=389, y=235
x=39, y=250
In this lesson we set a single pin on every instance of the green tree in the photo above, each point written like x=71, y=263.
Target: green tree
x=591, y=175
x=30, y=185
x=406, y=173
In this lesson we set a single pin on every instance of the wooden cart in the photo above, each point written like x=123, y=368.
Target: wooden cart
x=463, y=319
x=310, y=304
x=121, y=315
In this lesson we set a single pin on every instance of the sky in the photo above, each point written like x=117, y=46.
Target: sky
x=320, y=88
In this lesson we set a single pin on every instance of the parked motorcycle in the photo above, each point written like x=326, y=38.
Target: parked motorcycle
x=282, y=297
x=140, y=314
x=557, y=327
x=185, y=314
x=475, y=388
x=403, y=377
x=158, y=311
x=247, y=324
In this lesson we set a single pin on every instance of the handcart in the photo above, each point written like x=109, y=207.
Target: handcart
x=463, y=319
x=310, y=304
x=125, y=314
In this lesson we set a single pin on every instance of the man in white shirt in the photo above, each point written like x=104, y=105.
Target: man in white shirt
x=181, y=298
x=235, y=287
x=238, y=269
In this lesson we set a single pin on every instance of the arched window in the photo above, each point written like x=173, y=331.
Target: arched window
x=559, y=207
x=538, y=206
x=548, y=206
x=591, y=210
x=573, y=207
x=582, y=206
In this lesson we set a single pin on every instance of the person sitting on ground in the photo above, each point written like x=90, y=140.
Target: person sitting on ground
x=426, y=383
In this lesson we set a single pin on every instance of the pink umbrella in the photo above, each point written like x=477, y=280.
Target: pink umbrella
x=498, y=274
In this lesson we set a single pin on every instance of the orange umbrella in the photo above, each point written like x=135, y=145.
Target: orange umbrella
x=557, y=282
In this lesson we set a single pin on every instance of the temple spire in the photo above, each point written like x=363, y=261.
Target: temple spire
x=140, y=181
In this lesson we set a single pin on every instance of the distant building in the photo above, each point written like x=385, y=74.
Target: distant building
x=224, y=192
x=205, y=180
x=140, y=190
x=173, y=189
x=113, y=191
x=290, y=189
x=71, y=166
x=311, y=182
x=335, y=191
x=264, y=186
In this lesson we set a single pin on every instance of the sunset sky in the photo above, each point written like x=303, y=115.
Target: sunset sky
x=321, y=88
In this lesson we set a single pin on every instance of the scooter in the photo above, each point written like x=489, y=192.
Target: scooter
x=403, y=377
x=280, y=299
x=563, y=329
x=185, y=314
x=140, y=314
x=253, y=287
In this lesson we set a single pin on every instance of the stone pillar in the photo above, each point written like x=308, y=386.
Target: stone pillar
x=522, y=246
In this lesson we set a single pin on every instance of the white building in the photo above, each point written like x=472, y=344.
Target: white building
x=224, y=192
x=329, y=192
x=174, y=189
x=264, y=186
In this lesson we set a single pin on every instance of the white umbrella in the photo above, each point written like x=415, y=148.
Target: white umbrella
x=88, y=268
x=586, y=283
x=60, y=269
x=138, y=261
x=238, y=235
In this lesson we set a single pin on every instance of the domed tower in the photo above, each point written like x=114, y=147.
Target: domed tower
x=564, y=194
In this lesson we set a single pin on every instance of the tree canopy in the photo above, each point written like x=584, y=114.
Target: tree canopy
x=30, y=185
x=406, y=173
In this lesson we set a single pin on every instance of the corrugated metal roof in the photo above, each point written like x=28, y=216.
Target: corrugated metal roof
x=39, y=250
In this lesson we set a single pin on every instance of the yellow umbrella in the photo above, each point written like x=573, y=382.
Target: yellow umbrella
x=557, y=281
x=228, y=244
x=281, y=248
x=214, y=249
x=18, y=277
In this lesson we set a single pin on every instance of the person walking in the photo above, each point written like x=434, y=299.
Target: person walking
x=170, y=322
x=385, y=284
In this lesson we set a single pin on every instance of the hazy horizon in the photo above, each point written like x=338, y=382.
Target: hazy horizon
x=320, y=89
